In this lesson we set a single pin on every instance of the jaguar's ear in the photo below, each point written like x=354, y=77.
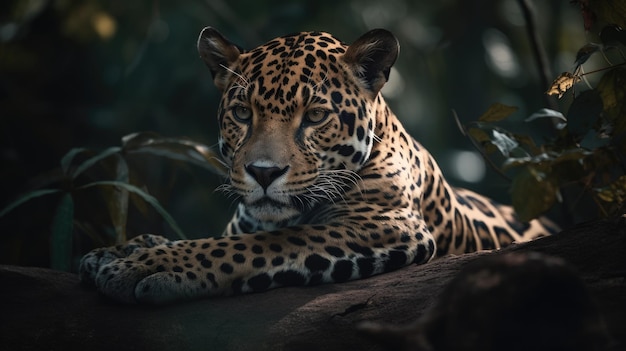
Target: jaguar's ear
x=218, y=54
x=371, y=57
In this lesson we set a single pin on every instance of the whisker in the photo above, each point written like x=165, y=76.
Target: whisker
x=348, y=176
x=331, y=186
x=316, y=86
x=239, y=75
x=376, y=138
x=228, y=191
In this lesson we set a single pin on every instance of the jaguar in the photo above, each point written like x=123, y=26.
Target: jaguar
x=331, y=187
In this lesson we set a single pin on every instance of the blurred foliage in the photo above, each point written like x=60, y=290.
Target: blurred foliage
x=588, y=150
x=78, y=75
x=116, y=195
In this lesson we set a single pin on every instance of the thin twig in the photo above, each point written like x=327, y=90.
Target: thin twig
x=478, y=148
x=539, y=54
x=602, y=69
x=545, y=75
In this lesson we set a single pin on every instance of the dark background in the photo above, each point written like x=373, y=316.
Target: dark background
x=85, y=73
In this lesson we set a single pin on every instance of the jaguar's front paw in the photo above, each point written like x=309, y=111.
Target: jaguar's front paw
x=92, y=262
x=136, y=280
x=118, y=279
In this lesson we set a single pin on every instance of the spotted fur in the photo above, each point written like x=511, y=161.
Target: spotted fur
x=331, y=186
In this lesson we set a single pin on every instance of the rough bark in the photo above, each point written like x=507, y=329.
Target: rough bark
x=45, y=309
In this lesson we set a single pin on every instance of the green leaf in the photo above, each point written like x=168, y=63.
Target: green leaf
x=584, y=113
x=536, y=160
x=62, y=232
x=136, y=140
x=121, y=169
x=516, y=162
x=497, y=112
x=546, y=113
x=66, y=161
x=116, y=199
x=27, y=197
x=503, y=142
x=176, y=149
x=586, y=52
x=612, y=36
x=146, y=197
x=612, y=90
x=532, y=194
x=92, y=161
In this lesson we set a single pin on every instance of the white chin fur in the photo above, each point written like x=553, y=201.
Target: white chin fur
x=270, y=213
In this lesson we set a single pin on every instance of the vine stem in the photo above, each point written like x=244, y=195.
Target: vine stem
x=545, y=75
x=539, y=54
x=602, y=69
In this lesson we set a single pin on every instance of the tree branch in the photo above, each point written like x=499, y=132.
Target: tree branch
x=541, y=60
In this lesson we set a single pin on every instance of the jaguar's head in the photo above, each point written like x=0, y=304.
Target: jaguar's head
x=297, y=115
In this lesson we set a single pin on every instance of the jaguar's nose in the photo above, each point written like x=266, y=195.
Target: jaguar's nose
x=265, y=175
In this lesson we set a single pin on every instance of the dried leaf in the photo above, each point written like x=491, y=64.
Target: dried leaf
x=562, y=83
x=482, y=138
x=479, y=135
x=497, y=112
x=614, y=192
x=528, y=141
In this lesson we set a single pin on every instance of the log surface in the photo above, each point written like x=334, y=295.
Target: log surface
x=46, y=309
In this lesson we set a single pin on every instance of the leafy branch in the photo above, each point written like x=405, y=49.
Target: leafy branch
x=116, y=192
x=588, y=148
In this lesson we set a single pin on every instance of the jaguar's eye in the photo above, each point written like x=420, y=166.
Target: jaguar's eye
x=316, y=115
x=242, y=113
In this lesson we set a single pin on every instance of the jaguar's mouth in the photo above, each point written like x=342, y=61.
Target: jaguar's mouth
x=267, y=201
x=271, y=210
